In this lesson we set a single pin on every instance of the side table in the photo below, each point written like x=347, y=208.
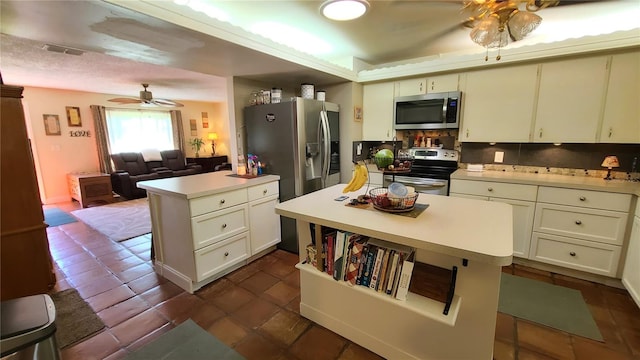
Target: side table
x=208, y=162
x=90, y=188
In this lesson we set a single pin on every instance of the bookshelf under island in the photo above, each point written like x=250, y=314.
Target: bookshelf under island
x=470, y=237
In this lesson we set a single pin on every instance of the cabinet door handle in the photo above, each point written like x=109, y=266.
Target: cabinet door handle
x=578, y=222
x=467, y=132
x=226, y=253
x=264, y=192
x=572, y=253
x=582, y=198
x=610, y=131
x=540, y=133
x=222, y=201
x=224, y=226
x=490, y=189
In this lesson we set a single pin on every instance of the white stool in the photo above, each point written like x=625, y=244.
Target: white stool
x=28, y=328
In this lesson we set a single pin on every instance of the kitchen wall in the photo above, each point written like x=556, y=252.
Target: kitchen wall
x=56, y=156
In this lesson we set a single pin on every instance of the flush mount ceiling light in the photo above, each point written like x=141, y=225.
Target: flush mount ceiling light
x=495, y=23
x=343, y=10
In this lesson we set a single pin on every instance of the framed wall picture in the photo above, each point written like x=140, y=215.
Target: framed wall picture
x=205, y=120
x=73, y=116
x=193, y=126
x=357, y=113
x=51, y=124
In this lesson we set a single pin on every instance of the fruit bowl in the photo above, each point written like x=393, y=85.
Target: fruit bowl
x=382, y=200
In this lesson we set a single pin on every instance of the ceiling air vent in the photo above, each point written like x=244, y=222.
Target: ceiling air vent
x=62, y=49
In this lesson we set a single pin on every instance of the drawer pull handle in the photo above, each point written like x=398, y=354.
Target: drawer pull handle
x=572, y=253
x=264, y=192
x=490, y=189
x=224, y=226
x=226, y=253
x=582, y=198
x=222, y=201
x=578, y=222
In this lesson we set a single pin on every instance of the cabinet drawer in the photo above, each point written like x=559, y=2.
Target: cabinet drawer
x=205, y=204
x=494, y=189
x=264, y=190
x=217, y=257
x=589, y=224
x=576, y=254
x=213, y=227
x=585, y=198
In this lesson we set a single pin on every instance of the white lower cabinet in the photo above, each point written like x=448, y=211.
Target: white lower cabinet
x=200, y=239
x=631, y=273
x=265, y=223
x=580, y=229
x=521, y=197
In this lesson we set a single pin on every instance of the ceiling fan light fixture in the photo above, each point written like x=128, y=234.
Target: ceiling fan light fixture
x=343, y=10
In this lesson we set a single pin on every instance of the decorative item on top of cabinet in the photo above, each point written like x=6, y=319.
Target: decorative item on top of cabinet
x=580, y=229
x=570, y=100
x=621, y=119
x=377, y=123
x=507, y=120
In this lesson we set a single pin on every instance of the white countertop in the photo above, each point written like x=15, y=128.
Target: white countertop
x=565, y=181
x=193, y=186
x=465, y=228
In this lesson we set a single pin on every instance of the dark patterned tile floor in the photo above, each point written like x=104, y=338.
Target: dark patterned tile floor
x=255, y=309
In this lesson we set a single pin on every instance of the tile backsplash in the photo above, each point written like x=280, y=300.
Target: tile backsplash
x=566, y=159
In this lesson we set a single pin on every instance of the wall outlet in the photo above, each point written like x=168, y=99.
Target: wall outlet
x=498, y=157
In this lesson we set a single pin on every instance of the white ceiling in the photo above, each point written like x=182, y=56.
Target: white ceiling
x=185, y=55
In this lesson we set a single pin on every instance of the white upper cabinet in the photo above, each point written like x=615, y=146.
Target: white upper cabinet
x=442, y=83
x=377, y=116
x=498, y=104
x=570, y=100
x=621, y=121
x=411, y=87
x=432, y=84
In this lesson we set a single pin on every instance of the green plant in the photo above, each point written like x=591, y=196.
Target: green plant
x=196, y=144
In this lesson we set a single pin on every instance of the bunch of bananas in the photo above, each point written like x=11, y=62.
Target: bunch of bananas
x=359, y=178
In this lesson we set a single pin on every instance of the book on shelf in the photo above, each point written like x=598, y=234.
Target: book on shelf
x=353, y=265
x=405, y=278
x=375, y=272
x=392, y=272
x=363, y=261
x=383, y=270
x=331, y=240
x=338, y=263
x=368, y=265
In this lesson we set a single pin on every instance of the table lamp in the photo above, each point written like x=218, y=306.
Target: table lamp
x=610, y=162
x=213, y=136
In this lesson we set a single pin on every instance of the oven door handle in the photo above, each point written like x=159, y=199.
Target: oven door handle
x=408, y=180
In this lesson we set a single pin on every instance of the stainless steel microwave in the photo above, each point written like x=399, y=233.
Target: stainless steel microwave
x=427, y=111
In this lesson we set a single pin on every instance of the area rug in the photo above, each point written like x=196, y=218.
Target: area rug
x=551, y=305
x=75, y=319
x=119, y=221
x=186, y=341
x=54, y=217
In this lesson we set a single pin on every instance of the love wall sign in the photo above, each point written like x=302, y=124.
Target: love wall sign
x=79, y=133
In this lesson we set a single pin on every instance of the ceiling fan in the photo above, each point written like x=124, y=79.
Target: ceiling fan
x=146, y=99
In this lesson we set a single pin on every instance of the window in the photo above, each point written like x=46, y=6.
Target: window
x=136, y=130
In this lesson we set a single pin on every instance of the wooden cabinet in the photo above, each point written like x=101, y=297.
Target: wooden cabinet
x=521, y=197
x=621, y=119
x=580, y=229
x=377, y=121
x=26, y=267
x=498, y=104
x=570, y=100
x=265, y=223
x=90, y=188
x=410, y=87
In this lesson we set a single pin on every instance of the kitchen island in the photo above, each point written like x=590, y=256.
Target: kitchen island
x=471, y=237
x=205, y=226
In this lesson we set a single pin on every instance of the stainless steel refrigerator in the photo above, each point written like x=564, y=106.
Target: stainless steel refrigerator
x=293, y=140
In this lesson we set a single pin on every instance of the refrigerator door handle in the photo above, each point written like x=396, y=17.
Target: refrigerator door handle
x=326, y=146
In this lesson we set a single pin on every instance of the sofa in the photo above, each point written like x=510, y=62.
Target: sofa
x=131, y=167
